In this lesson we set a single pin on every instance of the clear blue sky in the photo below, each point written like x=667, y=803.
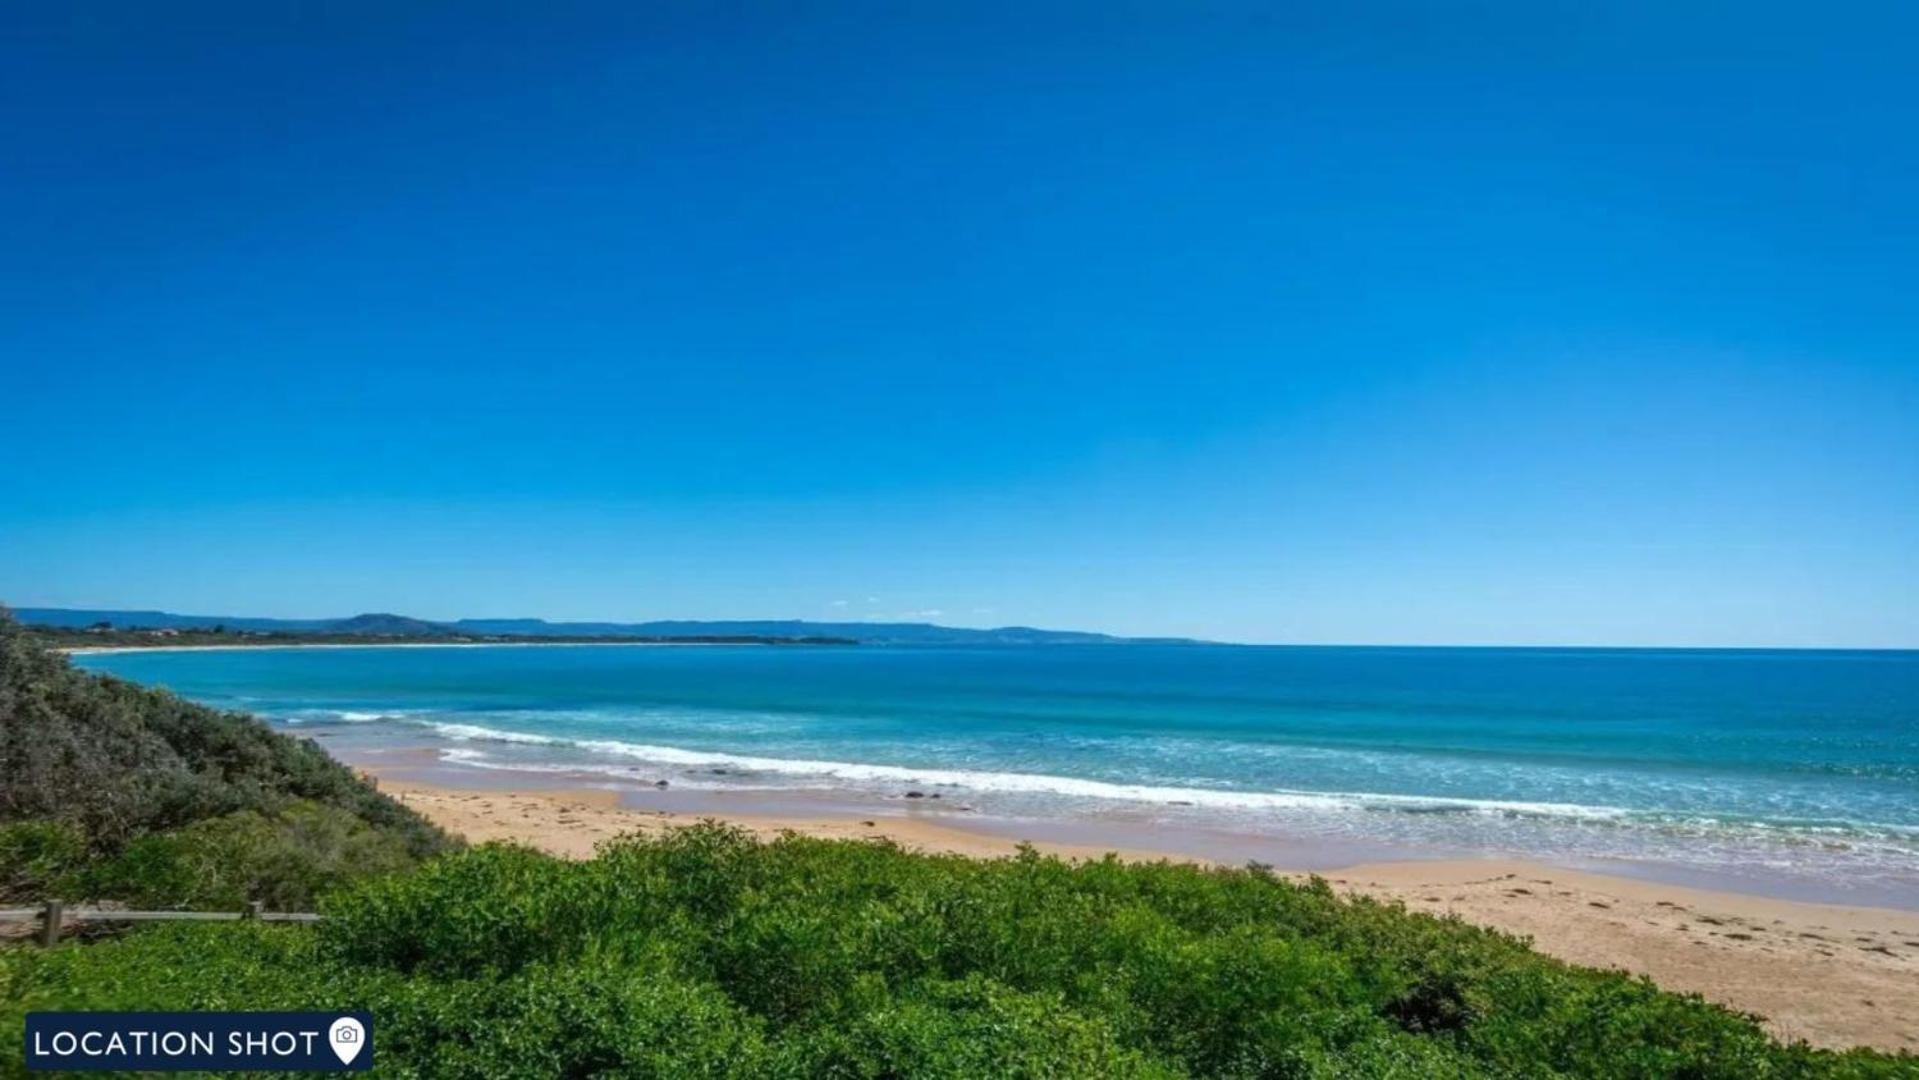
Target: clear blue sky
x=1520, y=322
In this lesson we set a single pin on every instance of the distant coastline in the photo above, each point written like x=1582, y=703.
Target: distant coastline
x=388, y=626
x=106, y=638
x=102, y=650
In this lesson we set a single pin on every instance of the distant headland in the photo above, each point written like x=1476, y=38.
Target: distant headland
x=112, y=627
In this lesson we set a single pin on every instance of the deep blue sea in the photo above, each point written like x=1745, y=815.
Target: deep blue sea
x=1801, y=766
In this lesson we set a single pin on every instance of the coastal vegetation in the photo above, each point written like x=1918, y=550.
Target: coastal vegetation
x=707, y=953
x=704, y=952
x=114, y=791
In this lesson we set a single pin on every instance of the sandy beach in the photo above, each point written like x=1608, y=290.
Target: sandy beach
x=1833, y=975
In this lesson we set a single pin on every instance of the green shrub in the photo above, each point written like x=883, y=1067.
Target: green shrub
x=544, y=1020
x=127, y=793
x=40, y=859
x=705, y=953
x=966, y=1029
x=516, y=907
x=286, y=860
x=119, y=761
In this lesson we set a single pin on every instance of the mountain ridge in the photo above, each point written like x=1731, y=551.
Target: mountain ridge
x=386, y=624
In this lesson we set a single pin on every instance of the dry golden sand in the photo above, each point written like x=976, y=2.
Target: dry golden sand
x=1834, y=976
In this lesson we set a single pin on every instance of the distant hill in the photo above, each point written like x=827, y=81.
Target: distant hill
x=389, y=625
x=380, y=624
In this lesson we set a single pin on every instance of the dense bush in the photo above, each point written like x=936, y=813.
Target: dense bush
x=41, y=858
x=131, y=793
x=285, y=860
x=705, y=953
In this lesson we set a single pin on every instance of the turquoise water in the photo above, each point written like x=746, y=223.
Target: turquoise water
x=1794, y=765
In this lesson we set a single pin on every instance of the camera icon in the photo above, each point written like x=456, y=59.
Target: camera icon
x=347, y=1038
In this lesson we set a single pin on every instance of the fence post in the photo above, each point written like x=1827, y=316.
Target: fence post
x=254, y=908
x=50, y=926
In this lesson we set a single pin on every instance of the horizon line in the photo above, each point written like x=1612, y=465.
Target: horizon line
x=1167, y=638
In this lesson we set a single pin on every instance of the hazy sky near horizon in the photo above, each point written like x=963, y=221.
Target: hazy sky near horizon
x=1511, y=323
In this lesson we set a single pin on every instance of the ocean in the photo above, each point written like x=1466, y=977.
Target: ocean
x=1791, y=772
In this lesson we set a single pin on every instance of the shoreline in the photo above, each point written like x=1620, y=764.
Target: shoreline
x=726, y=785
x=1819, y=844
x=1834, y=975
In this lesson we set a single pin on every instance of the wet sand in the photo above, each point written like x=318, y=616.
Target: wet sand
x=1833, y=975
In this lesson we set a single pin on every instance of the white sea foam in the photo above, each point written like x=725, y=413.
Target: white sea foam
x=343, y=716
x=475, y=733
x=1030, y=783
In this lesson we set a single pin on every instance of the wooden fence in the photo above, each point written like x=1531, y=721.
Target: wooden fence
x=53, y=916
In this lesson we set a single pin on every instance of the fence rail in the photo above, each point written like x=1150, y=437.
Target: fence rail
x=53, y=916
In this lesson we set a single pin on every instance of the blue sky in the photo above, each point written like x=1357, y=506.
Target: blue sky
x=1527, y=323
